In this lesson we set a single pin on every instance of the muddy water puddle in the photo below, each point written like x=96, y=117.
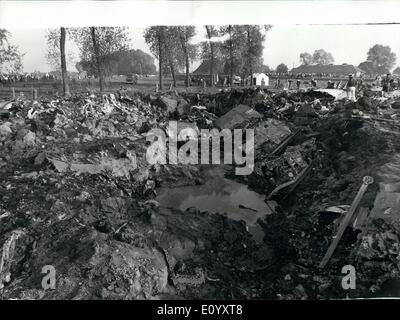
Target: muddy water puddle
x=220, y=195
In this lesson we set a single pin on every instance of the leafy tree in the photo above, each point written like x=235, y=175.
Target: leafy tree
x=134, y=61
x=124, y=63
x=282, y=68
x=266, y=69
x=320, y=56
x=232, y=49
x=155, y=37
x=173, y=53
x=211, y=49
x=176, y=47
x=53, y=53
x=96, y=44
x=185, y=33
x=253, y=48
x=371, y=68
x=381, y=57
x=241, y=51
x=10, y=56
x=306, y=58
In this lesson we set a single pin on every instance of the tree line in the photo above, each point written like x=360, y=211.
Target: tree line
x=239, y=47
x=105, y=50
x=380, y=59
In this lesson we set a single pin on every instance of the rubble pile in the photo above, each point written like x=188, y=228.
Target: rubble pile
x=78, y=194
x=346, y=146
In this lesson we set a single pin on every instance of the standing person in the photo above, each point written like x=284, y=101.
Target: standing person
x=386, y=83
x=298, y=84
x=313, y=82
x=351, y=88
x=290, y=83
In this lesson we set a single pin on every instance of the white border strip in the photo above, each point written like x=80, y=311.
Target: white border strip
x=46, y=14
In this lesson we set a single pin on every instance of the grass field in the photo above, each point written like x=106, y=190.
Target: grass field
x=47, y=88
x=51, y=88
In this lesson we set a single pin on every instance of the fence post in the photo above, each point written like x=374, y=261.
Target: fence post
x=13, y=92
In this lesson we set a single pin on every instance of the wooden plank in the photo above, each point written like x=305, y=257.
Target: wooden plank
x=345, y=222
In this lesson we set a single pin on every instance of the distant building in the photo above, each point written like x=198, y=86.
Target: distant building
x=203, y=71
x=329, y=69
x=260, y=79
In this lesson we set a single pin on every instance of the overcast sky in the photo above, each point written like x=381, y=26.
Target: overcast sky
x=347, y=43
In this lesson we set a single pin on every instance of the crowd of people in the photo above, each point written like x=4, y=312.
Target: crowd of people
x=26, y=77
